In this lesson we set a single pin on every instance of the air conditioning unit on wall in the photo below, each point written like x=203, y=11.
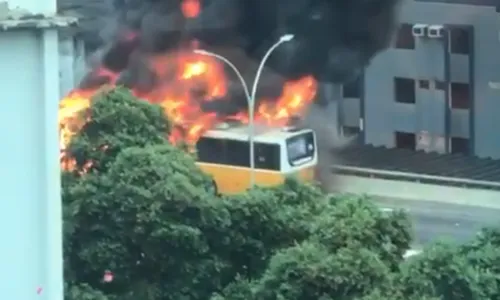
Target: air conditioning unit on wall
x=423, y=141
x=419, y=30
x=435, y=31
x=428, y=142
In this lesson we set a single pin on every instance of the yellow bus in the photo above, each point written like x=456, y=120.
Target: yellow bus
x=224, y=153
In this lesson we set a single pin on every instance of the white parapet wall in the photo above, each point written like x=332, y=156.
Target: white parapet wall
x=411, y=190
x=30, y=214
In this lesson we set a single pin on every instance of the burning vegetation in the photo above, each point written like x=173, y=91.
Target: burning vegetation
x=150, y=50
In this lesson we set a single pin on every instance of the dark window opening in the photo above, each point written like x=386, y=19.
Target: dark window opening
x=440, y=85
x=405, y=38
x=404, y=90
x=267, y=156
x=460, y=145
x=405, y=140
x=237, y=153
x=460, y=95
x=424, y=84
x=460, y=41
x=350, y=130
x=352, y=89
x=211, y=150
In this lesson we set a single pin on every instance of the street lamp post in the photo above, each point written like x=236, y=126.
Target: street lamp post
x=251, y=96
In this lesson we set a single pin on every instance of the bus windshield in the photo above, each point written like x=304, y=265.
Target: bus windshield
x=300, y=148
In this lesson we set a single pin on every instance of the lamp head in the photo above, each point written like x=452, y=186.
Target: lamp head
x=287, y=37
x=203, y=52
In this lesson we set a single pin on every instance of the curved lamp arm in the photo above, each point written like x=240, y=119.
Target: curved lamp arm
x=285, y=38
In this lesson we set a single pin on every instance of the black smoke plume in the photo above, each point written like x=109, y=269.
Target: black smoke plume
x=334, y=39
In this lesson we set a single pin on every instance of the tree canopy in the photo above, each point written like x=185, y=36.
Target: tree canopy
x=145, y=213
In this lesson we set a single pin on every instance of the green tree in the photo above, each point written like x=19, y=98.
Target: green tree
x=345, y=248
x=115, y=121
x=82, y=292
x=442, y=271
x=356, y=223
x=483, y=253
x=311, y=271
x=144, y=211
x=486, y=261
x=141, y=220
x=265, y=220
x=447, y=270
x=138, y=209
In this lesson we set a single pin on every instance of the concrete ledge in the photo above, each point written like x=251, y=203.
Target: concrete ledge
x=415, y=191
x=36, y=22
x=19, y=18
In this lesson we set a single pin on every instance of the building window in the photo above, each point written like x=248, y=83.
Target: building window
x=405, y=140
x=424, y=84
x=352, y=89
x=404, y=90
x=404, y=38
x=349, y=131
x=460, y=41
x=460, y=94
x=460, y=145
x=440, y=85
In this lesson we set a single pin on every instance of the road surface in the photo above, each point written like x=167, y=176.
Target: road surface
x=434, y=220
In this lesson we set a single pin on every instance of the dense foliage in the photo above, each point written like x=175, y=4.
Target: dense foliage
x=144, y=212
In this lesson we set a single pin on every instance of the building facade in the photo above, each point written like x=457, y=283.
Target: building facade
x=438, y=88
x=72, y=62
x=31, y=215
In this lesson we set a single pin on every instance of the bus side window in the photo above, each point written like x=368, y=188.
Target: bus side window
x=211, y=150
x=267, y=156
x=238, y=153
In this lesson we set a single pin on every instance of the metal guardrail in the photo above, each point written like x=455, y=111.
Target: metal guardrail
x=415, y=177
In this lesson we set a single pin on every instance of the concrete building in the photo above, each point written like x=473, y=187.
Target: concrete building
x=438, y=88
x=30, y=214
x=72, y=62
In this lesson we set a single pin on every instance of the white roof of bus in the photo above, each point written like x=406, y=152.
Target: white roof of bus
x=263, y=134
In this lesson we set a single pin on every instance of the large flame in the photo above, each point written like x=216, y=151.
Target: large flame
x=190, y=8
x=192, y=72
